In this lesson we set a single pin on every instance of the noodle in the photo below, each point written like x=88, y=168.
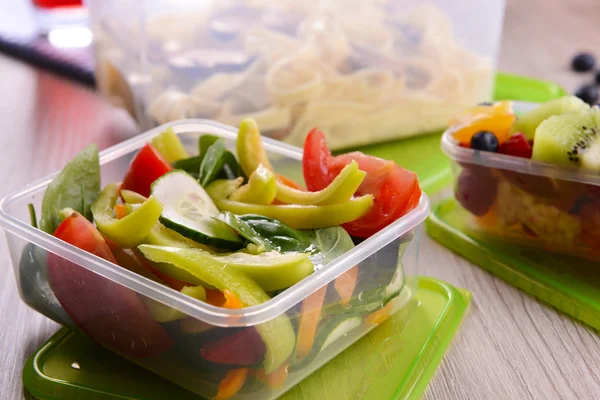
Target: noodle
x=356, y=71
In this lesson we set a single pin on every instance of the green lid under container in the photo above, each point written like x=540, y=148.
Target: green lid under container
x=394, y=361
x=569, y=284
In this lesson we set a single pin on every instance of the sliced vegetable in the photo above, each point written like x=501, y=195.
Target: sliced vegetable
x=252, y=156
x=189, y=210
x=345, y=284
x=163, y=313
x=288, y=182
x=146, y=167
x=271, y=270
x=169, y=146
x=336, y=328
x=275, y=379
x=76, y=186
x=130, y=230
x=396, y=190
x=88, y=297
x=225, y=299
x=309, y=320
x=277, y=334
x=121, y=211
x=174, y=277
x=132, y=197
x=340, y=190
x=162, y=236
x=260, y=189
x=303, y=217
x=243, y=347
x=379, y=316
x=232, y=383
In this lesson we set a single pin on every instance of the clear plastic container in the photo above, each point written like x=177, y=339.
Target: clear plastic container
x=392, y=68
x=386, y=262
x=533, y=204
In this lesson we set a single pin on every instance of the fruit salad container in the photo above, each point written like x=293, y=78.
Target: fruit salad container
x=393, y=68
x=527, y=174
x=257, y=352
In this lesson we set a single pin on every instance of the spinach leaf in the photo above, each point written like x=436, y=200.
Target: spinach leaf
x=212, y=163
x=333, y=242
x=204, y=144
x=76, y=186
x=34, y=286
x=231, y=168
x=190, y=165
x=270, y=233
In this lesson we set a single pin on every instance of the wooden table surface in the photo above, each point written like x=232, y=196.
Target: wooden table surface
x=509, y=345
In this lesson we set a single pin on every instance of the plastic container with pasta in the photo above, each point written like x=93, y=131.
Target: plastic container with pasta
x=362, y=71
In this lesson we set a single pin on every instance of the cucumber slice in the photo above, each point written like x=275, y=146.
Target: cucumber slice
x=337, y=328
x=188, y=210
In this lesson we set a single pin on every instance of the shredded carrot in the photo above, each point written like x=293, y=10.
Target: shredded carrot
x=225, y=299
x=275, y=379
x=120, y=211
x=309, y=319
x=232, y=383
x=288, y=182
x=346, y=283
x=379, y=316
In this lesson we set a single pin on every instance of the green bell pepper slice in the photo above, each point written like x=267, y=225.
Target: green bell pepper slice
x=251, y=155
x=131, y=230
x=260, y=189
x=277, y=333
x=169, y=146
x=296, y=216
x=163, y=313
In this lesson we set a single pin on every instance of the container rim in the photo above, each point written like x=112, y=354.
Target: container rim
x=210, y=314
x=465, y=155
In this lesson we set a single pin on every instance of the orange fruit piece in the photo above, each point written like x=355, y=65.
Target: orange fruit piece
x=496, y=118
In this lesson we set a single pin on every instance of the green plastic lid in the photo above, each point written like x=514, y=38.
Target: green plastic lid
x=567, y=283
x=394, y=361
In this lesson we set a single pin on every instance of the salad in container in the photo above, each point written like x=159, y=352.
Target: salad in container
x=530, y=174
x=229, y=264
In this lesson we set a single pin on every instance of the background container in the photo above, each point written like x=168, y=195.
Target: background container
x=363, y=71
x=526, y=202
x=386, y=262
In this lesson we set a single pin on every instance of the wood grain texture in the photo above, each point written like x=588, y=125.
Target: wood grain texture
x=509, y=346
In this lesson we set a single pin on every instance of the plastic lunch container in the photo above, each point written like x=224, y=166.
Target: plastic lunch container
x=392, y=68
x=537, y=204
x=386, y=262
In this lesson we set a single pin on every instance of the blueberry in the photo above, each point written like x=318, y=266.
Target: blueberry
x=588, y=93
x=583, y=62
x=597, y=77
x=485, y=141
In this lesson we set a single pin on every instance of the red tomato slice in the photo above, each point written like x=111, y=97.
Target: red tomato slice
x=108, y=312
x=395, y=190
x=146, y=167
x=317, y=162
x=241, y=348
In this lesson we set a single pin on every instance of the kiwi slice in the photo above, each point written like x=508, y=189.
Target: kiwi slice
x=528, y=122
x=570, y=140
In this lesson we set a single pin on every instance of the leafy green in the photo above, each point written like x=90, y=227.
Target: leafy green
x=32, y=215
x=333, y=242
x=190, y=165
x=204, y=143
x=212, y=163
x=270, y=233
x=231, y=168
x=76, y=186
